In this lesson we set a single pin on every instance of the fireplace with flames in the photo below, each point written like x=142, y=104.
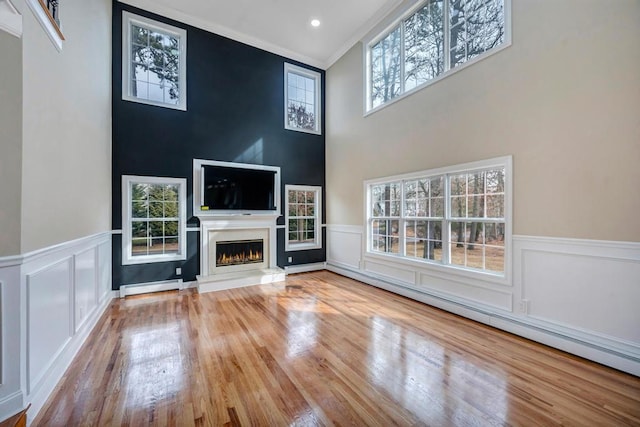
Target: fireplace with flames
x=239, y=252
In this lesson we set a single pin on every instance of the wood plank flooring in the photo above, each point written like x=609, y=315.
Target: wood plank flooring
x=322, y=349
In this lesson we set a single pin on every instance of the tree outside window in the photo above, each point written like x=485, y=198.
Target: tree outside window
x=302, y=99
x=154, y=216
x=439, y=36
x=154, y=62
x=303, y=213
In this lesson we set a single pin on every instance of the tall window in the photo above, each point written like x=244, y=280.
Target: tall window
x=302, y=99
x=455, y=216
x=153, y=219
x=303, y=213
x=153, y=62
x=438, y=37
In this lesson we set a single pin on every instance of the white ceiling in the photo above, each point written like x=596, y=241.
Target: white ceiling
x=281, y=26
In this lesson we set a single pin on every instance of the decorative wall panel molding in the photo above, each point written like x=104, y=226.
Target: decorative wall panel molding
x=51, y=299
x=576, y=295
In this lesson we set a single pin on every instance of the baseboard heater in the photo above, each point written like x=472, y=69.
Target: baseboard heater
x=147, y=288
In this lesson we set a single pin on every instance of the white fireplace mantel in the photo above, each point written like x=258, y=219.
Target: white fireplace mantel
x=211, y=282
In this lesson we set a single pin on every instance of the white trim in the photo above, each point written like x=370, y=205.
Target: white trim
x=317, y=243
x=546, y=270
x=127, y=256
x=82, y=292
x=317, y=79
x=189, y=285
x=150, y=287
x=198, y=194
x=10, y=19
x=11, y=404
x=46, y=24
x=193, y=229
x=304, y=268
x=501, y=320
x=400, y=14
x=129, y=18
x=12, y=260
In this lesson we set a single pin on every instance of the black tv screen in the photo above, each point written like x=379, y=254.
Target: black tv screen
x=231, y=188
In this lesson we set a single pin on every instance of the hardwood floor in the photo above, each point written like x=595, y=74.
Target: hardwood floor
x=323, y=350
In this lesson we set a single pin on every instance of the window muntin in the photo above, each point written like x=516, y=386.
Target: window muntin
x=302, y=99
x=475, y=26
x=424, y=45
x=154, y=62
x=154, y=215
x=429, y=42
x=302, y=217
x=385, y=68
x=456, y=218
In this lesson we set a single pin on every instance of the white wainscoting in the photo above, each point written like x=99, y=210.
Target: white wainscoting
x=580, y=296
x=56, y=296
x=11, y=395
x=344, y=246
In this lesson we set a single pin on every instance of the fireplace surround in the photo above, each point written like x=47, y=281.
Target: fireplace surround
x=219, y=231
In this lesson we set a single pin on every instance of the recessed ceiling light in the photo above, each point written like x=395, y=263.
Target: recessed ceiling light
x=315, y=22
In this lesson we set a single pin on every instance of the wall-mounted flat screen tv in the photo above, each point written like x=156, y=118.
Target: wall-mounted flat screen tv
x=238, y=189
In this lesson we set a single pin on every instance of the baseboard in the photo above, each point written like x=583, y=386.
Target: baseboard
x=150, y=287
x=520, y=326
x=9, y=404
x=305, y=268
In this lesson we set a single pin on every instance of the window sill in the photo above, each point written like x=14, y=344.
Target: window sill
x=179, y=107
x=152, y=259
x=314, y=132
x=441, y=270
x=302, y=246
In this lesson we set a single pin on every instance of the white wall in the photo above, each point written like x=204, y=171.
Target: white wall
x=10, y=142
x=55, y=215
x=564, y=102
x=66, y=176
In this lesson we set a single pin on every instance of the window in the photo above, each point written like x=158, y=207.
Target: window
x=153, y=62
x=153, y=219
x=457, y=216
x=430, y=41
x=302, y=99
x=303, y=213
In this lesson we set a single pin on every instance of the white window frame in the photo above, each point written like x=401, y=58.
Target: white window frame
x=129, y=19
x=445, y=266
x=317, y=232
x=396, y=19
x=317, y=78
x=127, y=256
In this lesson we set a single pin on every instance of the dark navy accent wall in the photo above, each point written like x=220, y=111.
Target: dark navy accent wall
x=235, y=112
